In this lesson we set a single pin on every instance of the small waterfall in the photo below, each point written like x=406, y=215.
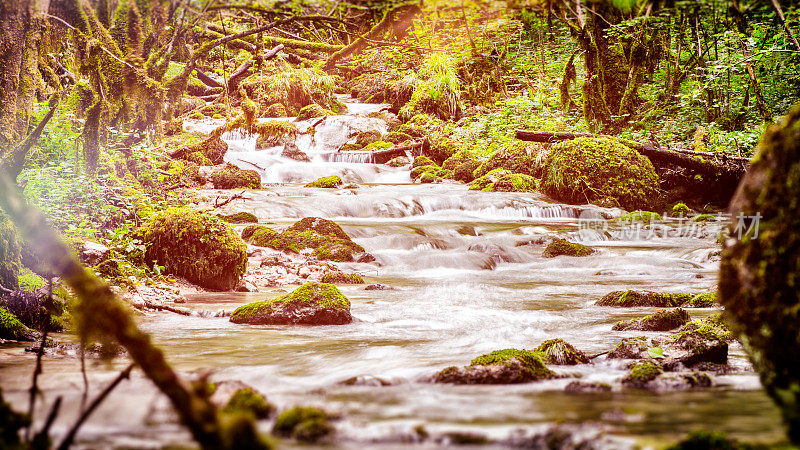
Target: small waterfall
x=348, y=157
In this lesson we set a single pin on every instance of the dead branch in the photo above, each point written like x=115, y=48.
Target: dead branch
x=217, y=204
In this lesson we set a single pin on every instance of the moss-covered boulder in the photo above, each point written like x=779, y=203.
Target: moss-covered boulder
x=365, y=138
x=602, y=171
x=10, y=253
x=562, y=247
x=207, y=152
x=657, y=299
x=232, y=177
x=664, y=320
x=712, y=440
x=326, y=183
x=310, y=304
x=515, y=159
x=557, y=351
x=680, y=209
x=700, y=341
x=633, y=348
x=325, y=237
x=423, y=160
x=639, y=216
x=275, y=110
x=397, y=137
x=508, y=366
x=275, y=132
x=197, y=246
x=339, y=277
x=642, y=373
x=303, y=423
x=311, y=111
x=400, y=161
x=249, y=401
x=463, y=164
x=239, y=217
x=11, y=327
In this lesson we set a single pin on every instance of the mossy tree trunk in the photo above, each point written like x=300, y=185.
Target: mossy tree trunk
x=760, y=272
x=15, y=19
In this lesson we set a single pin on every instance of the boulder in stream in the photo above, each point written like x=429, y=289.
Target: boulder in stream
x=239, y=217
x=328, y=240
x=601, y=171
x=657, y=299
x=290, y=150
x=700, y=341
x=197, y=246
x=232, y=177
x=326, y=182
x=557, y=351
x=508, y=366
x=306, y=424
x=562, y=247
x=664, y=320
x=310, y=304
x=502, y=180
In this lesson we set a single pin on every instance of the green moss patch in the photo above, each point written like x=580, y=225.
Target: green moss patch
x=642, y=373
x=557, y=351
x=197, y=246
x=339, y=277
x=239, y=217
x=232, y=177
x=530, y=360
x=310, y=304
x=11, y=327
x=657, y=299
x=249, y=401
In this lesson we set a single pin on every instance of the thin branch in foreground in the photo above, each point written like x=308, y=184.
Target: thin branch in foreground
x=34, y=389
x=124, y=375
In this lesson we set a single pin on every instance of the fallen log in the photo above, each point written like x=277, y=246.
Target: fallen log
x=729, y=165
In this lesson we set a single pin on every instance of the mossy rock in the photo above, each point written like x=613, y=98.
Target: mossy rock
x=10, y=253
x=232, y=177
x=199, y=158
x=515, y=182
x=351, y=148
x=11, y=327
x=562, y=247
x=640, y=216
x=701, y=341
x=207, y=152
x=400, y=161
x=423, y=160
x=713, y=440
x=303, y=423
x=342, y=251
x=310, y=304
x=239, y=217
x=327, y=239
x=326, y=182
x=291, y=151
x=442, y=149
x=557, y=351
x=704, y=300
x=274, y=132
x=501, y=367
x=602, y=171
x=418, y=172
x=488, y=180
x=378, y=145
x=396, y=137
x=276, y=110
x=632, y=348
x=365, y=138
x=665, y=320
x=646, y=298
x=251, y=402
x=680, y=209
x=311, y=111
x=642, y=373
x=427, y=177
x=339, y=277
x=703, y=218
x=514, y=159
x=197, y=246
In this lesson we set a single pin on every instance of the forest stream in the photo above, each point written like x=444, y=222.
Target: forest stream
x=466, y=276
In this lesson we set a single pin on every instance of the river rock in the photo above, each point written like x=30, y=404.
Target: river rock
x=583, y=387
x=231, y=177
x=508, y=366
x=556, y=351
x=633, y=348
x=657, y=299
x=310, y=304
x=290, y=150
x=700, y=341
x=562, y=247
x=94, y=253
x=664, y=320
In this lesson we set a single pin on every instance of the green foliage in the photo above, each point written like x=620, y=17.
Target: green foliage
x=10, y=253
x=11, y=327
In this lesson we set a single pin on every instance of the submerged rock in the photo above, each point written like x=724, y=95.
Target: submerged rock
x=582, y=386
x=303, y=423
x=650, y=375
x=508, y=366
x=310, y=304
x=339, y=277
x=602, y=171
x=563, y=247
x=556, y=351
x=326, y=182
x=657, y=299
x=197, y=246
x=665, y=320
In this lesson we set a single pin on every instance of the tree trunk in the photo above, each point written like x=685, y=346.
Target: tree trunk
x=15, y=18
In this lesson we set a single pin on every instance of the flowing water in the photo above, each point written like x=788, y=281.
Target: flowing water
x=468, y=278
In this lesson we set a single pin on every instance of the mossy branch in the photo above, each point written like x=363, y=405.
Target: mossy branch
x=101, y=314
